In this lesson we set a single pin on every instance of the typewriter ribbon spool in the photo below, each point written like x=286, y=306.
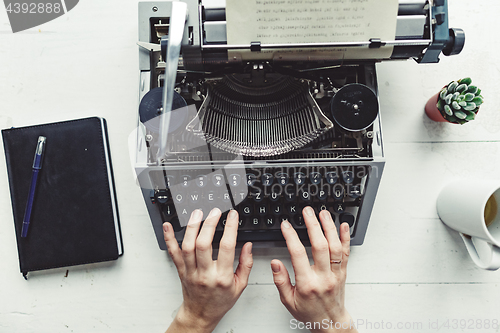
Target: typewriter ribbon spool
x=151, y=107
x=354, y=107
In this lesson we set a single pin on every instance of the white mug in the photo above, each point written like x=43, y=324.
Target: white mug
x=461, y=206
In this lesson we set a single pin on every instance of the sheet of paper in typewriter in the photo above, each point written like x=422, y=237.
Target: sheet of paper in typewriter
x=311, y=21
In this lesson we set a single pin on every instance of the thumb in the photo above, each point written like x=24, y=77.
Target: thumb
x=282, y=282
x=245, y=265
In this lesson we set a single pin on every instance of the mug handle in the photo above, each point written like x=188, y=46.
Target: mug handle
x=484, y=254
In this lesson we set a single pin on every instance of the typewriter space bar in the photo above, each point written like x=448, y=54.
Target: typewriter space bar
x=262, y=235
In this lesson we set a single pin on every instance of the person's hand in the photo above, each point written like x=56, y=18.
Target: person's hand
x=318, y=293
x=210, y=288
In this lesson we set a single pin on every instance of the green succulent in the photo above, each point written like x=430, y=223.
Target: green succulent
x=459, y=101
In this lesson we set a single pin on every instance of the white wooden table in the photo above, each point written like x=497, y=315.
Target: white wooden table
x=412, y=271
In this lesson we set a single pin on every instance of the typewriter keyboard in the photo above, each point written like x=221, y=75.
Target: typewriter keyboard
x=263, y=197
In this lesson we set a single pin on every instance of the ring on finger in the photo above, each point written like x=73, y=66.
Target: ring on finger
x=333, y=261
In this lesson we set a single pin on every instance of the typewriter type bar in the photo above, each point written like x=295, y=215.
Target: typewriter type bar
x=264, y=137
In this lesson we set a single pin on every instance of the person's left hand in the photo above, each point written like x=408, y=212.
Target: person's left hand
x=210, y=288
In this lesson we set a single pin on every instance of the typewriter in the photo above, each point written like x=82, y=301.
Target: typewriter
x=266, y=128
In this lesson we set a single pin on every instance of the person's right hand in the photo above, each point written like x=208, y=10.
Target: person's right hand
x=318, y=293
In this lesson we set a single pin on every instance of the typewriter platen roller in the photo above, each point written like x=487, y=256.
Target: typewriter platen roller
x=268, y=134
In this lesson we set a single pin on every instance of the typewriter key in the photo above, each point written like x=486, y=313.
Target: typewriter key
x=299, y=178
x=348, y=218
x=178, y=198
x=162, y=196
x=226, y=197
x=267, y=179
x=354, y=191
x=293, y=209
x=256, y=221
x=338, y=192
x=305, y=195
x=275, y=195
x=315, y=177
x=282, y=178
x=338, y=207
x=257, y=195
x=321, y=207
x=185, y=180
x=322, y=194
x=211, y=196
x=201, y=181
x=290, y=194
x=262, y=209
x=348, y=176
x=332, y=177
x=234, y=180
x=251, y=179
x=271, y=221
x=168, y=210
x=247, y=210
x=218, y=180
x=299, y=220
x=284, y=218
x=277, y=209
x=169, y=180
x=194, y=198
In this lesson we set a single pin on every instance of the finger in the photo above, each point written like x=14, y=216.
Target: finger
x=345, y=238
x=334, y=244
x=282, y=282
x=173, y=247
x=319, y=244
x=244, y=266
x=297, y=251
x=225, y=259
x=205, y=239
x=189, y=241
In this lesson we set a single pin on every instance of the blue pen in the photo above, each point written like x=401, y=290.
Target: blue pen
x=37, y=166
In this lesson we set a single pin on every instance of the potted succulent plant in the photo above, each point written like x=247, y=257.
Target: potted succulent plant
x=457, y=103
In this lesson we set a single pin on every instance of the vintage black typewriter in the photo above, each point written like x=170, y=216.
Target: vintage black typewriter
x=266, y=128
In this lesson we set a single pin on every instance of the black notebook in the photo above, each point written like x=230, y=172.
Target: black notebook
x=74, y=217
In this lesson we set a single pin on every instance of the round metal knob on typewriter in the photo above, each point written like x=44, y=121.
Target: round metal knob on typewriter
x=456, y=42
x=354, y=107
